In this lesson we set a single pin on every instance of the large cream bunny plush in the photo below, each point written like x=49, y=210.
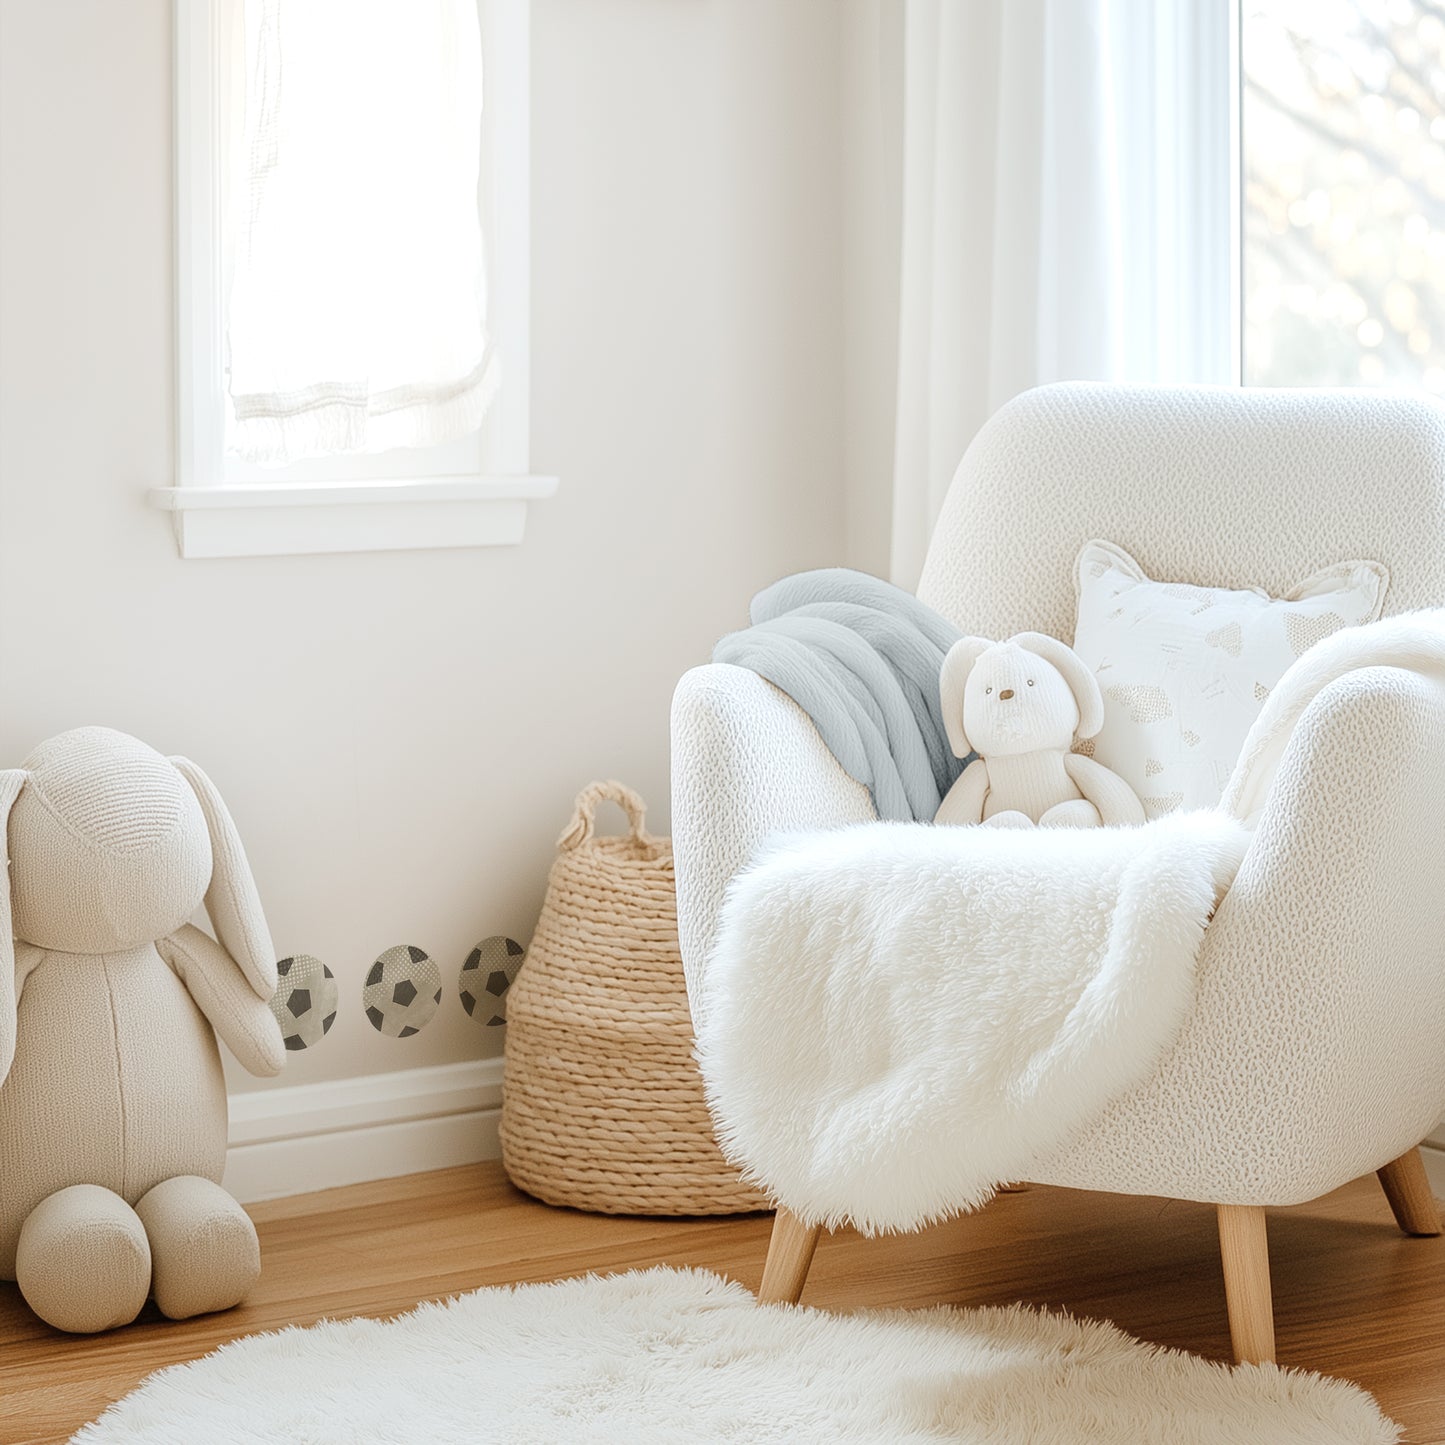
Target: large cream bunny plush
x=112, y=1104
x=1020, y=704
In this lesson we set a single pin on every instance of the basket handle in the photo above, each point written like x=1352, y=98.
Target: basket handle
x=584, y=816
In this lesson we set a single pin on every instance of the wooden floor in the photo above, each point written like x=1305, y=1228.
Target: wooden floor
x=1353, y=1296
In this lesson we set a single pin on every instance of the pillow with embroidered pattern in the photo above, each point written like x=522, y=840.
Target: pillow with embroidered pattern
x=1185, y=670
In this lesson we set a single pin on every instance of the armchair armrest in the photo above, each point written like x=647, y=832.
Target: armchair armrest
x=746, y=762
x=1315, y=1051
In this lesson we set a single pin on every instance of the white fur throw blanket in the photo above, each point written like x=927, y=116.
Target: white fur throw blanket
x=898, y=1018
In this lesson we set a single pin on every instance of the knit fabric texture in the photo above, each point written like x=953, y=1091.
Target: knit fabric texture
x=861, y=657
x=115, y=1081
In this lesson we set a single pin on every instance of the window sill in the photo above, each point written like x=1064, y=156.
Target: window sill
x=291, y=519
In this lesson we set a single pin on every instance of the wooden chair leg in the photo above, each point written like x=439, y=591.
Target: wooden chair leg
x=1245, y=1251
x=1407, y=1187
x=790, y=1253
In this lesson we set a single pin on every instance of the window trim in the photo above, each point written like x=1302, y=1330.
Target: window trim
x=213, y=514
x=1183, y=153
x=1210, y=226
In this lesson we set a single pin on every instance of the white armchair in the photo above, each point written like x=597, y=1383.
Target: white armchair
x=1315, y=1051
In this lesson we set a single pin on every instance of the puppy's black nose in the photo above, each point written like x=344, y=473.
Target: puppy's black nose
x=1007, y=693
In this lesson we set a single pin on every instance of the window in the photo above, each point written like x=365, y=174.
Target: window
x=1344, y=193
x=306, y=424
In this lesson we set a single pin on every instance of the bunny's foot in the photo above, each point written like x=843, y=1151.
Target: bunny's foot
x=83, y=1262
x=1009, y=818
x=205, y=1248
x=1080, y=813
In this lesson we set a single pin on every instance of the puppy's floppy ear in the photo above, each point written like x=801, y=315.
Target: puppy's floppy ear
x=232, y=900
x=952, y=679
x=1082, y=683
x=11, y=782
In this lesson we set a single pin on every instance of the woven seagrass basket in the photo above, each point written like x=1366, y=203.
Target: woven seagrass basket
x=603, y=1108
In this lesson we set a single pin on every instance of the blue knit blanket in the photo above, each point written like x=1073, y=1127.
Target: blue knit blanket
x=861, y=657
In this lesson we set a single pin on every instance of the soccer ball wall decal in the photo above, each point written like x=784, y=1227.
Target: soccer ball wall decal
x=490, y=970
x=402, y=991
x=305, y=1000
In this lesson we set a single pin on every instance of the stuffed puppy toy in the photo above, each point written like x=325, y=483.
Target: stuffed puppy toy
x=112, y=1103
x=1020, y=704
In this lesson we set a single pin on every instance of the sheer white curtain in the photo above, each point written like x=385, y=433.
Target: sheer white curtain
x=1046, y=151
x=357, y=310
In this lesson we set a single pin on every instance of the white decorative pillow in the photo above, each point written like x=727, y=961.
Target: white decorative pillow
x=1185, y=670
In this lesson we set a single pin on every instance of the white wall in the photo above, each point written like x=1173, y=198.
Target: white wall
x=871, y=137
x=400, y=735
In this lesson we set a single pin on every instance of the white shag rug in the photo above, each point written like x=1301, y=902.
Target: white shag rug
x=674, y=1355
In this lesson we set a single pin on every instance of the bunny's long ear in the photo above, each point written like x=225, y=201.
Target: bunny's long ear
x=11, y=782
x=952, y=679
x=232, y=900
x=1082, y=683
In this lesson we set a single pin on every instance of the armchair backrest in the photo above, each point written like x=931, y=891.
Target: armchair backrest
x=1221, y=486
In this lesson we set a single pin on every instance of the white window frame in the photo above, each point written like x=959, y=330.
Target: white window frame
x=467, y=493
x=1208, y=231
x=1184, y=54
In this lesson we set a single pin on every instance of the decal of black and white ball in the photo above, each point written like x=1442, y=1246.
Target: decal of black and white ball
x=402, y=991
x=490, y=970
x=305, y=1000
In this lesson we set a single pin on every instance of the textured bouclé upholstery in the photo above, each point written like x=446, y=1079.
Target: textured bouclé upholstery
x=1221, y=487
x=1315, y=1051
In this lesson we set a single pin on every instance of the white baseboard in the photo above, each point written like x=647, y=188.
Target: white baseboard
x=316, y=1136
x=1434, y=1157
